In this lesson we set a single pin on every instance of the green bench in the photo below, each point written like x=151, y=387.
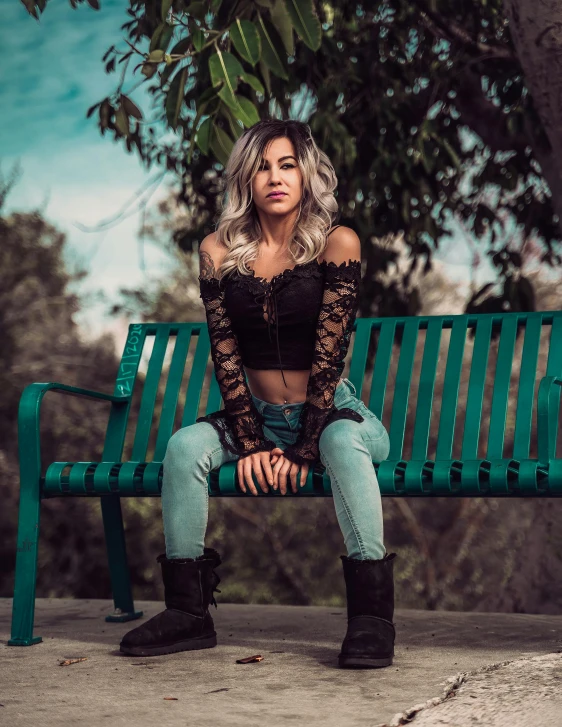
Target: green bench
x=418, y=465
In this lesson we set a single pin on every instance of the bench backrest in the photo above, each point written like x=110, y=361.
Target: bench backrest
x=446, y=387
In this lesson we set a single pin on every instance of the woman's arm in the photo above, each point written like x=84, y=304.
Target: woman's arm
x=245, y=421
x=333, y=331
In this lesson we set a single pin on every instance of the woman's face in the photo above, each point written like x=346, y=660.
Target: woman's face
x=279, y=173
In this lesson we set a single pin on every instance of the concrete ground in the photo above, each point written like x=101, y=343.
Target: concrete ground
x=450, y=668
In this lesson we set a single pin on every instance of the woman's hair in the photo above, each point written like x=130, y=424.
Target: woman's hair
x=239, y=227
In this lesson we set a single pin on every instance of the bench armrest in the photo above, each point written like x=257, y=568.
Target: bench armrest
x=547, y=417
x=29, y=417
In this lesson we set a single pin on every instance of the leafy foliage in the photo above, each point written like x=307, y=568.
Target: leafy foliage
x=421, y=106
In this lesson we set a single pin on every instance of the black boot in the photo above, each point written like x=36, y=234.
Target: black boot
x=186, y=623
x=369, y=641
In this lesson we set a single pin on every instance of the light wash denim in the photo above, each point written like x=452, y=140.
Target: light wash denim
x=347, y=450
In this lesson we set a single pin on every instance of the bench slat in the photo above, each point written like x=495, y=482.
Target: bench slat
x=173, y=384
x=402, y=388
x=451, y=386
x=526, y=388
x=149, y=392
x=500, y=395
x=381, y=367
x=196, y=378
x=358, y=365
x=476, y=385
x=426, y=389
x=554, y=368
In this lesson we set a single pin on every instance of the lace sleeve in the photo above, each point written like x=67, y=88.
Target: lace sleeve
x=244, y=420
x=333, y=331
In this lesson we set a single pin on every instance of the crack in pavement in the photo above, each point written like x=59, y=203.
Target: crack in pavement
x=516, y=692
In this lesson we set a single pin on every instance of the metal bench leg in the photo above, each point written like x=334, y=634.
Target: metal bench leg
x=117, y=557
x=23, y=604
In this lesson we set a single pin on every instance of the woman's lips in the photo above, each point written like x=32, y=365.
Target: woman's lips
x=277, y=195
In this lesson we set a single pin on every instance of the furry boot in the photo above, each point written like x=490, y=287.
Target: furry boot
x=369, y=641
x=186, y=623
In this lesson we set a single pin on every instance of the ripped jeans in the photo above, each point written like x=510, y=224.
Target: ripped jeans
x=347, y=450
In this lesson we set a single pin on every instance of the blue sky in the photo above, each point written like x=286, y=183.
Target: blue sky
x=52, y=73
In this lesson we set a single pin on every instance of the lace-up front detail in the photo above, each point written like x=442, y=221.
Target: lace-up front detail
x=288, y=305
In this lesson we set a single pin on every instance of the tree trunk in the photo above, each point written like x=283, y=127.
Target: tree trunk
x=536, y=30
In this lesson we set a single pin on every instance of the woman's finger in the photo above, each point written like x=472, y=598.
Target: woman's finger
x=283, y=476
x=240, y=474
x=248, y=475
x=266, y=465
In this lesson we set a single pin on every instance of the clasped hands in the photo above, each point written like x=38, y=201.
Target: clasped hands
x=270, y=468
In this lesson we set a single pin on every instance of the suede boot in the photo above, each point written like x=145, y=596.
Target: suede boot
x=186, y=624
x=369, y=641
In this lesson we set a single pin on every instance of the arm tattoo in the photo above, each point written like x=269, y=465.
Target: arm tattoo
x=206, y=266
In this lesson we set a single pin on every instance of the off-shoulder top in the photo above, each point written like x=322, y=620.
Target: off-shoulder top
x=311, y=309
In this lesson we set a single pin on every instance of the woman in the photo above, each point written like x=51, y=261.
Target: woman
x=280, y=289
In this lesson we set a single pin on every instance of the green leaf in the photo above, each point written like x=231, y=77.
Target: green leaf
x=161, y=37
x=225, y=69
x=246, y=40
x=203, y=136
x=156, y=55
x=197, y=10
x=181, y=47
x=235, y=127
x=198, y=39
x=264, y=70
x=221, y=144
x=254, y=82
x=250, y=115
x=305, y=22
x=215, y=5
x=272, y=49
x=174, y=99
x=166, y=5
x=206, y=96
x=282, y=22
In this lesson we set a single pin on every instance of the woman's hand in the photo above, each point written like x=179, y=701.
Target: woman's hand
x=282, y=468
x=259, y=462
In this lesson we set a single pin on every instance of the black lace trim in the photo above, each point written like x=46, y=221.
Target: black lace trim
x=219, y=421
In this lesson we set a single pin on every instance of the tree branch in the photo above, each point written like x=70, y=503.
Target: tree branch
x=455, y=33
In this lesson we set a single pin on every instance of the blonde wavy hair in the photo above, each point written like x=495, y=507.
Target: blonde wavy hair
x=238, y=227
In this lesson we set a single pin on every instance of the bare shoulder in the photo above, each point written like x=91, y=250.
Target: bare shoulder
x=343, y=245
x=211, y=255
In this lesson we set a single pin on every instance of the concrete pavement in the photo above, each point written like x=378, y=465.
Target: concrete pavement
x=488, y=666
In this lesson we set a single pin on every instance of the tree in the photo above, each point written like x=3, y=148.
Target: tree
x=394, y=115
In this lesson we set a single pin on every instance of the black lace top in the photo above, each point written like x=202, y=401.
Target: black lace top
x=312, y=308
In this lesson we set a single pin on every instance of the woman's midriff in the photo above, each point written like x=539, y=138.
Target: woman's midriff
x=268, y=385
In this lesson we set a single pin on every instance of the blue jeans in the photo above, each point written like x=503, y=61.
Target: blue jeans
x=347, y=450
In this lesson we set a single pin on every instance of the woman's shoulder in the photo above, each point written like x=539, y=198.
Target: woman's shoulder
x=211, y=253
x=342, y=244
